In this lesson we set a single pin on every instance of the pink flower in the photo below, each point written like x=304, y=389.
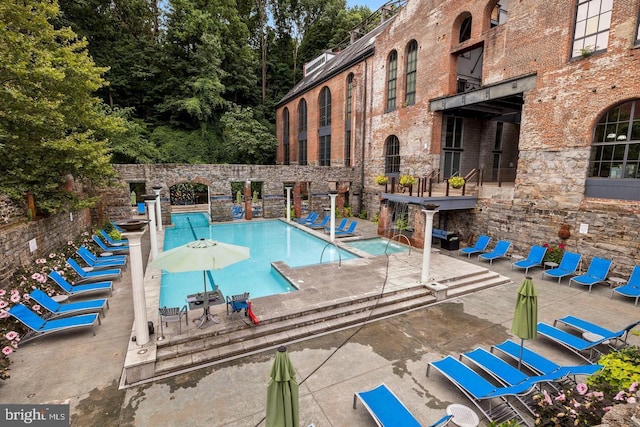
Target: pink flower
x=35, y=276
x=2, y=292
x=598, y=395
x=15, y=298
x=7, y=350
x=36, y=307
x=620, y=396
x=581, y=388
x=52, y=255
x=70, y=242
x=631, y=400
x=632, y=388
x=11, y=335
x=3, y=303
x=607, y=408
x=14, y=291
x=547, y=399
x=3, y=314
x=26, y=297
x=41, y=261
x=561, y=397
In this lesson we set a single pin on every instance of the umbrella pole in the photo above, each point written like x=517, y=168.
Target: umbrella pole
x=521, y=348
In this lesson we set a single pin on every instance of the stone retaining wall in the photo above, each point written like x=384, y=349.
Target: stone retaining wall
x=49, y=234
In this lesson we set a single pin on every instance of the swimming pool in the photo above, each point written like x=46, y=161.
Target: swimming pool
x=269, y=241
x=377, y=246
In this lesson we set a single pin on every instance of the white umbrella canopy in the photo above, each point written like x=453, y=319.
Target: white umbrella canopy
x=202, y=255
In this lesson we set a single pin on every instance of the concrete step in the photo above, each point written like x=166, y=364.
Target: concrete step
x=240, y=338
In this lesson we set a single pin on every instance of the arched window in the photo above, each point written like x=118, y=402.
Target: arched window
x=324, y=129
x=285, y=137
x=638, y=30
x=616, y=143
x=347, y=121
x=499, y=13
x=591, y=34
x=392, y=155
x=302, y=132
x=392, y=77
x=465, y=29
x=412, y=67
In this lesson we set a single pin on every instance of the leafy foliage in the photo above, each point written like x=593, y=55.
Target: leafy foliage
x=52, y=125
x=554, y=253
x=620, y=369
x=246, y=139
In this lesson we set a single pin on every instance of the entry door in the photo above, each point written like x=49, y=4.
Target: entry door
x=452, y=146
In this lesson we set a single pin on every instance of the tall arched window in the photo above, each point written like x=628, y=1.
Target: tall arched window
x=465, y=29
x=347, y=121
x=286, y=152
x=392, y=80
x=412, y=67
x=499, y=13
x=392, y=155
x=324, y=128
x=302, y=132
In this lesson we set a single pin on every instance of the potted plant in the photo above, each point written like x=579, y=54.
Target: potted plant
x=456, y=181
x=382, y=179
x=408, y=180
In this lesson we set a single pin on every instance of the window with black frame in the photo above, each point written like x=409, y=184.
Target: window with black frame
x=392, y=156
x=285, y=137
x=412, y=72
x=392, y=81
x=591, y=32
x=302, y=132
x=324, y=129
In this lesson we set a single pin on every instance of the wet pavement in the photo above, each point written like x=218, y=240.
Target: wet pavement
x=85, y=370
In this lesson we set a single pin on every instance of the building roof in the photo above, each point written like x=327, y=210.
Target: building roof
x=352, y=54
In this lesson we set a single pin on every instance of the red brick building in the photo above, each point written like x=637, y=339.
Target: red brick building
x=543, y=95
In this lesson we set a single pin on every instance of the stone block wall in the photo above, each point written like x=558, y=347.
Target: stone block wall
x=49, y=233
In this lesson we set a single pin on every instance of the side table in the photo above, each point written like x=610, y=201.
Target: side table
x=614, y=282
x=463, y=416
x=60, y=298
x=550, y=264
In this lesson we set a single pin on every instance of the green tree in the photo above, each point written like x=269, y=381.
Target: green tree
x=51, y=125
x=246, y=139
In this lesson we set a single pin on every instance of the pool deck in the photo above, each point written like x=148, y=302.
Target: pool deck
x=86, y=371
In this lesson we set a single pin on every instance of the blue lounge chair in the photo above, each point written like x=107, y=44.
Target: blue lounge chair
x=572, y=342
x=73, y=290
x=111, y=242
x=99, y=263
x=542, y=365
x=385, y=407
x=534, y=259
x=592, y=328
x=347, y=231
x=568, y=266
x=40, y=327
x=500, y=251
x=86, y=275
x=309, y=219
x=320, y=225
x=237, y=212
x=480, y=246
x=56, y=309
x=101, y=259
x=482, y=392
x=340, y=226
x=596, y=273
x=632, y=287
x=110, y=250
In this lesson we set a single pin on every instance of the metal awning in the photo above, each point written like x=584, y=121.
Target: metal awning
x=502, y=100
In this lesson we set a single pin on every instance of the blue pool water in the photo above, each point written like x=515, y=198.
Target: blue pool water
x=377, y=246
x=268, y=241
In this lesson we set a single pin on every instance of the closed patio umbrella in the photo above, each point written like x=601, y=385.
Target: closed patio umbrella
x=282, y=392
x=525, y=318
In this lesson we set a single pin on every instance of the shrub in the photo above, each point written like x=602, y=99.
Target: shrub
x=382, y=179
x=554, y=253
x=407, y=180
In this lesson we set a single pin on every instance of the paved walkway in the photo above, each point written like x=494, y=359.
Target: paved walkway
x=86, y=370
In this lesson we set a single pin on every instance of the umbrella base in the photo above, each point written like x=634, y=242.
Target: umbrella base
x=206, y=317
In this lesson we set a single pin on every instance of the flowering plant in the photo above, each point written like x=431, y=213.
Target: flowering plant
x=554, y=253
x=407, y=180
x=23, y=281
x=578, y=406
x=456, y=181
x=382, y=179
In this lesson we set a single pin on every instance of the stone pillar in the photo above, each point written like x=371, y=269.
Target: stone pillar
x=156, y=191
x=332, y=235
x=426, y=251
x=141, y=327
x=288, y=204
x=150, y=200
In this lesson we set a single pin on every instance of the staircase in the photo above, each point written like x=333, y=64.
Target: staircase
x=235, y=339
